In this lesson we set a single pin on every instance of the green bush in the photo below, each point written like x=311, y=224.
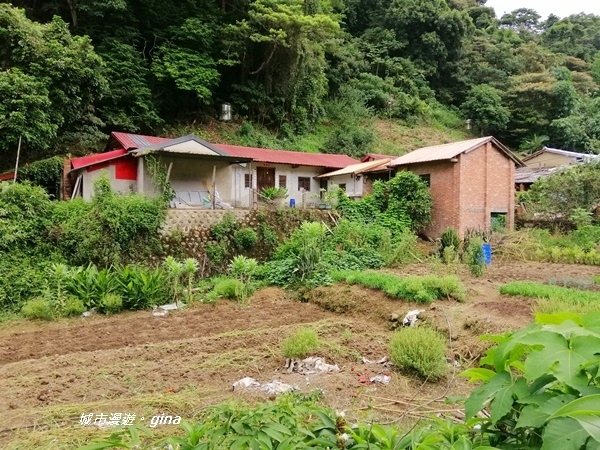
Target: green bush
x=245, y=238
x=141, y=287
x=420, y=289
x=110, y=303
x=72, y=307
x=38, y=308
x=419, y=349
x=474, y=257
x=449, y=238
x=301, y=343
x=225, y=227
x=229, y=288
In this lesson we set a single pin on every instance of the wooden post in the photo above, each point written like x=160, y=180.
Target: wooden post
x=169, y=172
x=17, y=163
x=214, y=188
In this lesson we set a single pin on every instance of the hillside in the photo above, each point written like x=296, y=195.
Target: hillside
x=313, y=75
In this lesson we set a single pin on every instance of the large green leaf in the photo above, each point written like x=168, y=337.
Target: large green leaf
x=560, y=356
x=498, y=391
x=535, y=415
x=563, y=434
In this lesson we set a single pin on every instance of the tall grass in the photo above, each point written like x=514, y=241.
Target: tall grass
x=420, y=289
x=419, y=349
x=551, y=299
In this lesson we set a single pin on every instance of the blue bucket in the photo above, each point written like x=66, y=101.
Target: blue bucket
x=487, y=253
x=292, y=202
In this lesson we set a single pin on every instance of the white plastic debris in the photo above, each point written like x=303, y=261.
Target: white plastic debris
x=310, y=366
x=272, y=388
x=169, y=307
x=411, y=317
x=383, y=360
x=89, y=313
x=244, y=383
x=276, y=387
x=383, y=379
x=159, y=312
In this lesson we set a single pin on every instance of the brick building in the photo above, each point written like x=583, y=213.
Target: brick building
x=471, y=182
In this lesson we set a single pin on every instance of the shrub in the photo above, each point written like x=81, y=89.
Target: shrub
x=245, y=238
x=141, y=287
x=419, y=349
x=301, y=343
x=420, y=289
x=38, y=308
x=223, y=229
x=229, y=288
x=474, y=257
x=110, y=303
x=72, y=307
x=268, y=234
x=449, y=238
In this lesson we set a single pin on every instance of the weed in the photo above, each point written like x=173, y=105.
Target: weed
x=419, y=349
x=111, y=303
x=301, y=343
x=229, y=288
x=38, y=308
x=554, y=298
x=225, y=227
x=420, y=289
x=449, y=238
x=73, y=307
x=268, y=234
x=474, y=257
x=245, y=238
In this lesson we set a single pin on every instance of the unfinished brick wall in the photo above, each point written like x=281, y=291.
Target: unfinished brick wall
x=466, y=192
x=444, y=187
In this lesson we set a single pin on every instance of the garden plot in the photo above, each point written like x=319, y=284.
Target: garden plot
x=183, y=362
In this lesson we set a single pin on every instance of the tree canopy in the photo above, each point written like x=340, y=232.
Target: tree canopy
x=73, y=70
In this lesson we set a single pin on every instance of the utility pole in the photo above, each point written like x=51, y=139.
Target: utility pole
x=17, y=163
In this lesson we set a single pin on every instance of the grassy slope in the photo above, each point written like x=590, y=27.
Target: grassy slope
x=393, y=137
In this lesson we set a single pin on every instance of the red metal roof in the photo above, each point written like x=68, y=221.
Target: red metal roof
x=129, y=140
x=289, y=157
x=86, y=161
x=7, y=176
x=375, y=156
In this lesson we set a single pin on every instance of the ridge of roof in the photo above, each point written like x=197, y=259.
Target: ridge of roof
x=451, y=150
x=356, y=168
x=561, y=152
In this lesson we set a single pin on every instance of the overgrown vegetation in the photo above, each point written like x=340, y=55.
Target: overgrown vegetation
x=553, y=299
x=420, y=289
x=301, y=344
x=421, y=350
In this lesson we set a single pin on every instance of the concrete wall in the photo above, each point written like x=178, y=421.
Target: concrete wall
x=354, y=186
x=309, y=198
x=89, y=177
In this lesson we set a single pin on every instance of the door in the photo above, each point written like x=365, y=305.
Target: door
x=265, y=177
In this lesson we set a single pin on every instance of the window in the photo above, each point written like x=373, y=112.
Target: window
x=282, y=181
x=342, y=186
x=304, y=183
x=247, y=180
x=498, y=221
x=426, y=178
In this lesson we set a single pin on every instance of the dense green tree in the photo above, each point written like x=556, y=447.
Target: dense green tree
x=485, y=110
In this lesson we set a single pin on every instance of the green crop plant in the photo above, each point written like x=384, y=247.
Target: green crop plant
x=552, y=299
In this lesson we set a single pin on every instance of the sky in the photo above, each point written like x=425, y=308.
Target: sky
x=561, y=8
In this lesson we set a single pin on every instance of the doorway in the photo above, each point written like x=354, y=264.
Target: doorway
x=265, y=177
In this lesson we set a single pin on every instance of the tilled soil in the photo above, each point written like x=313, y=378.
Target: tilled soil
x=53, y=372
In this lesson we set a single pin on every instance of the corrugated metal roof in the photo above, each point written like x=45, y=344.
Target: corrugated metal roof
x=86, y=161
x=289, y=157
x=129, y=140
x=448, y=151
x=356, y=168
x=582, y=157
x=178, y=146
x=528, y=175
x=7, y=176
x=374, y=156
